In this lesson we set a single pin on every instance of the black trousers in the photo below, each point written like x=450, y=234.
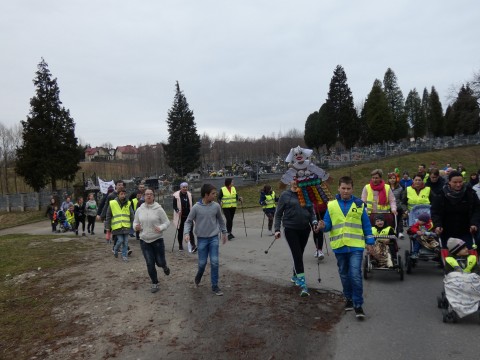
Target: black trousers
x=229, y=214
x=297, y=240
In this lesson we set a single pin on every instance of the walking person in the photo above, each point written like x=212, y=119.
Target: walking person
x=349, y=225
x=379, y=197
x=268, y=201
x=151, y=221
x=80, y=214
x=398, y=193
x=91, y=209
x=118, y=220
x=228, y=198
x=209, y=222
x=182, y=203
x=296, y=221
x=51, y=213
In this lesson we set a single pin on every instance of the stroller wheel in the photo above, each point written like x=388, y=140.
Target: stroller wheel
x=439, y=302
x=408, y=262
x=400, y=267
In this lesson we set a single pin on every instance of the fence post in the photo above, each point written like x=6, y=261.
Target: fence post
x=22, y=203
x=8, y=203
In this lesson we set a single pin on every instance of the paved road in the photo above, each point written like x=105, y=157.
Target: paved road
x=403, y=321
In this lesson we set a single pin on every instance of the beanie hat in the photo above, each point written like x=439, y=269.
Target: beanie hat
x=379, y=217
x=183, y=184
x=424, y=217
x=454, y=245
x=110, y=189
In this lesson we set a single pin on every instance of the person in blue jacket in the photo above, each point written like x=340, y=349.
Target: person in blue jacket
x=350, y=231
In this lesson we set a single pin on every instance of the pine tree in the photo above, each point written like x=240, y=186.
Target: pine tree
x=377, y=115
x=426, y=111
x=340, y=108
x=435, y=116
x=396, y=104
x=312, y=131
x=50, y=150
x=450, y=124
x=183, y=148
x=466, y=112
x=413, y=111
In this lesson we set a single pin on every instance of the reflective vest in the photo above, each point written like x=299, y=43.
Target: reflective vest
x=229, y=198
x=70, y=216
x=269, y=201
x=346, y=230
x=471, y=262
x=383, y=232
x=417, y=199
x=427, y=175
x=370, y=201
x=135, y=203
x=120, y=215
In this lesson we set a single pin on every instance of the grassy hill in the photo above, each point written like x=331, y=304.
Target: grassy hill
x=468, y=156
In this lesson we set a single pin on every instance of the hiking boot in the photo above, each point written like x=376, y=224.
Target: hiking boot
x=359, y=314
x=217, y=290
x=348, y=305
x=154, y=288
x=166, y=270
x=320, y=255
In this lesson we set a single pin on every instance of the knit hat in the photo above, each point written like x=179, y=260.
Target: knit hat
x=110, y=189
x=424, y=217
x=183, y=184
x=379, y=217
x=454, y=245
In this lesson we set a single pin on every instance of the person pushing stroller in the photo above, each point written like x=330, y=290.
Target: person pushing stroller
x=423, y=235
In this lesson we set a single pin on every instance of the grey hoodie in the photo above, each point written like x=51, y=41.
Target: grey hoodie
x=149, y=217
x=208, y=220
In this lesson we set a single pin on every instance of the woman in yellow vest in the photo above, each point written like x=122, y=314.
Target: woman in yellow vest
x=268, y=201
x=417, y=194
x=228, y=198
x=350, y=231
x=118, y=220
x=378, y=196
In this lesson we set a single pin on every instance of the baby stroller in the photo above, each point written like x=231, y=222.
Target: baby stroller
x=424, y=254
x=461, y=294
x=63, y=225
x=372, y=264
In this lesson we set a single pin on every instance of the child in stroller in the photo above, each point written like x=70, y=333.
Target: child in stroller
x=422, y=235
x=461, y=296
x=62, y=221
x=385, y=244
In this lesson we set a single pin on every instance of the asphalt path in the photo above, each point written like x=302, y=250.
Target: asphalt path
x=403, y=321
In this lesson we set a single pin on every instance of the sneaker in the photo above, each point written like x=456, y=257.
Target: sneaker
x=320, y=255
x=194, y=250
x=316, y=254
x=401, y=236
x=359, y=314
x=129, y=252
x=294, y=280
x=230, y=236
x=414, y=256
x=348, y=305
x=300, y=281
x=304, y=292
x=166, y=270
x=154, y=288
x=197, y=280
x=217, y=290
x=124, y=258
x=115, y=254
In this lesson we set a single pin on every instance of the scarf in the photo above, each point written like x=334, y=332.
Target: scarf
x=454, y=197
x=382, y=194
x=422, y=185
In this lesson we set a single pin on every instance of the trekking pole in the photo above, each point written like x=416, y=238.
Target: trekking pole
x=325, y=243
x=318, y=258
x=263, y=223
x=245, y=226
x=175, y=237
x=273, y=241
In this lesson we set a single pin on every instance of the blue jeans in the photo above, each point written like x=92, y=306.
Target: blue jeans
x=122, y=239
x=350, y=270
x=154, y=254
x=208, y=246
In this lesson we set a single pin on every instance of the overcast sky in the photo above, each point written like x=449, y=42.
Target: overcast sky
x=248, y=67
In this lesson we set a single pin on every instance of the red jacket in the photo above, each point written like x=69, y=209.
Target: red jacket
x=417, y=227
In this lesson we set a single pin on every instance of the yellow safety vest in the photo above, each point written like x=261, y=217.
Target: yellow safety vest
x=269, y=201
x=120, y=215
x=70, y=216
x=370, y=201
x=422, y=198
x=346, y=230
x=384, y=231
x=229, y=198
x=135, y=203
x=471, y=262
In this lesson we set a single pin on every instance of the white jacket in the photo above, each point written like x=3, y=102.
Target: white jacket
x=151, y=217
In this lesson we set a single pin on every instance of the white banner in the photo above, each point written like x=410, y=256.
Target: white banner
x=104, y=185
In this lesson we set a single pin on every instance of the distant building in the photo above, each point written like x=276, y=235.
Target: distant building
x=98, y=154
x=127, y=152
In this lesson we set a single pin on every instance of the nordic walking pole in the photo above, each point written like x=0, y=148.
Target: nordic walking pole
x=245, y=226
x=318, y=258
x=263, y=223
x=273, y=241
x=175, y=237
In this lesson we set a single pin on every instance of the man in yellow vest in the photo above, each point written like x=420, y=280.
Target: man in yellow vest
x=350, y=231
x=119, y=218
x=228, y=198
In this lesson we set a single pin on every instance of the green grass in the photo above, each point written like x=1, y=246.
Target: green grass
x=26, y=303
x=11, y=219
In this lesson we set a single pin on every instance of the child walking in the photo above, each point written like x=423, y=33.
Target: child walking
x=91, y=207
x=209, y=223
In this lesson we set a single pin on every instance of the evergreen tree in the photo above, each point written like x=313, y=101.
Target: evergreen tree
x=183, y=148
x=435, y=116
x=312, y=131
x=450, y=124
x=466, y=112
x=50, y=150
x=413, y=111
x=377, y=115
x=426, y=111
x=340, y=108
x=396, y=104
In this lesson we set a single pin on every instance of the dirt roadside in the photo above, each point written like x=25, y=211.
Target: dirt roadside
x=261, y=315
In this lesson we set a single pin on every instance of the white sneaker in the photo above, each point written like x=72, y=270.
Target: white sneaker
x=320, y=255
x=316, y=253
x=401, y=236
